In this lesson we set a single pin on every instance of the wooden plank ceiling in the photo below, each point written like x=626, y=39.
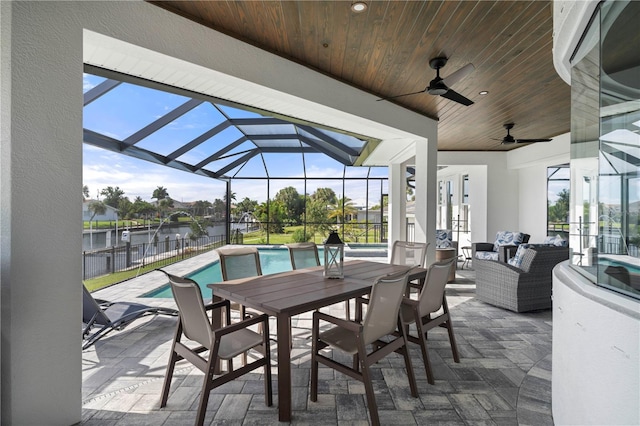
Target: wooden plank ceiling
x=386, y=49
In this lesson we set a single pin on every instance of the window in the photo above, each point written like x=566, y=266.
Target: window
x=605, y=150
x=463, y=219
x=558, y=191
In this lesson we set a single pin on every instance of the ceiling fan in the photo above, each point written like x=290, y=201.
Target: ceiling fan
x=510, y=139
x=440, y=86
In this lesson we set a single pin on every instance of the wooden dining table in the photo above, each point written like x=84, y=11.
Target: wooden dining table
x=286, y=294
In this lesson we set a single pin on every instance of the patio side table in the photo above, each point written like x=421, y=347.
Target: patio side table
x=444, y=254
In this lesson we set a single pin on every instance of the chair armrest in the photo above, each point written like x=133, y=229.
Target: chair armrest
x=349, y=325
x=480, y=247
x=410, y=302
x=244, y=324
x=217, y=305
x=506, y=252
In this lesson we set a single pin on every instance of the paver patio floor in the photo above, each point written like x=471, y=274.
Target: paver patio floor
x=504, y=377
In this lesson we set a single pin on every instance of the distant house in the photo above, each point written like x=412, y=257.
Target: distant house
x=110, y=214
x=372, y=216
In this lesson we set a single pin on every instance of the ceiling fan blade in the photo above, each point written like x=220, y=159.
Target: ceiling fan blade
x=532, y=140
x=458, y=75
x=399, y=96
x=457, y=97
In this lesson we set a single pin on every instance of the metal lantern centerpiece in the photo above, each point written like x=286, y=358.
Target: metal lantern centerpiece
x=334, y=256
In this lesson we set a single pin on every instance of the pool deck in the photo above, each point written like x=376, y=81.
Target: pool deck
x=504, y=377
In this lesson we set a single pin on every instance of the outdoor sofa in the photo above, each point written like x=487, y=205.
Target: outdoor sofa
x=523, y=283
x=501, y=249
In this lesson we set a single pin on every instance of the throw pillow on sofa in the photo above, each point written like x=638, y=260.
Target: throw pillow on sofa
x=487, y=255
x=507, y=238
x=444, y=238
x=557, y=241
x=519, y=256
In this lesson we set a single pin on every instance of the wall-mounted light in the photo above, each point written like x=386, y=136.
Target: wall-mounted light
x=358, y=6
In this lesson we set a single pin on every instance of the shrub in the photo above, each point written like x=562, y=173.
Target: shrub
x=299, y=236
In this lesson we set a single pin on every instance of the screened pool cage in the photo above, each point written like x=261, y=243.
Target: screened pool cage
x=265, y=179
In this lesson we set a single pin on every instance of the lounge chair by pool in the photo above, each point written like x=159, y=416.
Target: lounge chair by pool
x=109, y=316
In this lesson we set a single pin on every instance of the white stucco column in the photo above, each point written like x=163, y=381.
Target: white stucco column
x=426, y=162
x=41, y=215
x=397, y=203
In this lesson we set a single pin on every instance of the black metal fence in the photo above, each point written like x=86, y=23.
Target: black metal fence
x=96, y=263
x=276, y=233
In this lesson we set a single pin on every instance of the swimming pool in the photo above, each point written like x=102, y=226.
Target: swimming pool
x=605, y=261
x=272, y=260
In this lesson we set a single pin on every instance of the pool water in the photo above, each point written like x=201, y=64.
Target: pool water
x=604, y=261
x=271, y=262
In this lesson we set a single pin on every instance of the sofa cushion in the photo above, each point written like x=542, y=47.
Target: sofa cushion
x=487, y=255
x=557, y=241
x=517, y=259
x=507, y=238
x=444, y=238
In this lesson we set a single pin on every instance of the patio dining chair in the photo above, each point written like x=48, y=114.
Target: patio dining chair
x=303, y=255
x=430, y=310
x=239, y=262
x=108, y=316
x=223, y=343
x=409, y=254
x=352, y=337
x=236, y=263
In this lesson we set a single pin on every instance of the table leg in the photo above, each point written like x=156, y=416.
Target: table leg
x=284, y=368
x=216, y=323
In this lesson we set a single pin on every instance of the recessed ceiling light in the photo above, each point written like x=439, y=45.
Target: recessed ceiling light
x=359, y=6
x=483, y=92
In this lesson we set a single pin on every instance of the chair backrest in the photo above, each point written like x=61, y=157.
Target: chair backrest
x=384, y=303
x=303, y=255
x=91, y=310
x=430, y=298
x=410, y=254
x=241, y=262
x=193, y=316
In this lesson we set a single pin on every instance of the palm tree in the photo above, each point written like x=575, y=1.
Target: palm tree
x=232, y=196
x=160, y=193
x=164, y=205
x=343, y=207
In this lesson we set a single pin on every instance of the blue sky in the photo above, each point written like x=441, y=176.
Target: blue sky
x=128, y=108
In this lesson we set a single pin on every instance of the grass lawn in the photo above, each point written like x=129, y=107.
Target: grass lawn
x=260, y=237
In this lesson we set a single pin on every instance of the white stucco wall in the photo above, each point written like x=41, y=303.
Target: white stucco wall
x=41, y=213
x=596, y=361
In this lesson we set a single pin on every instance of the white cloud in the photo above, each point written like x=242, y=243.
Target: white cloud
x=138, y=178
x=86, y=84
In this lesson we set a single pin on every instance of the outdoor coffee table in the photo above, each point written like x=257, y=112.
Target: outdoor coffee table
x=286, y=294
